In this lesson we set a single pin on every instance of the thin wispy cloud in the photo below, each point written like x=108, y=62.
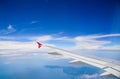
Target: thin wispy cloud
x=34, y=22
x=99, y=36
x=7, y=38
x=41, y=38
x=9, y=29
x=60, y=32
x=93, y=42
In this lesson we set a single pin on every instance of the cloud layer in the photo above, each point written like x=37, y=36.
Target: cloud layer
x=80, y=42
x=94, y=42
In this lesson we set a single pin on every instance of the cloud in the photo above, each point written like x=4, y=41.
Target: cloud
x=29, y=38
x=12, y=45
x=87, y=76
x=92, y=42
x=10, y=29
x=41, y=38
x=63, y=38
x=113, y=47
x=60, y=32
x=13, y=48
x=33, y=22
x=100, y=36
x=7, y=38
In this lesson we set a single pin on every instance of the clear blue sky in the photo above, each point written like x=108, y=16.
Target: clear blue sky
x=73, y=17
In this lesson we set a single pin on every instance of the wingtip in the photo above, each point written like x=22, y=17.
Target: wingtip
x=39, y=44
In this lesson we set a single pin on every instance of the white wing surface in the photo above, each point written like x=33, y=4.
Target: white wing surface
x=111, y=68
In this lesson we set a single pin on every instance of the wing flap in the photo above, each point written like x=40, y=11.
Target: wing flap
x=77, y=62
x=117, y=67
x=107, y=74
x=54, y=53
x=113, y=71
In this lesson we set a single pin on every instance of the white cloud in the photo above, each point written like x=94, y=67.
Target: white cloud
x=22, y=46
x=87, y=76
x=62, y=38
x=93, y=42
x=113, y=47
x=11, y=48
x=103, y=36
x=81, y=42
x=9, y=29
x=15, y=45
x=7, y=38
x=41, y=38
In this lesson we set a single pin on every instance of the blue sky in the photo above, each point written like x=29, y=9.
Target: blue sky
x=73, y=17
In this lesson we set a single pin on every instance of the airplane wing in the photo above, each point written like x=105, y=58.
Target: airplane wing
x=110, y=67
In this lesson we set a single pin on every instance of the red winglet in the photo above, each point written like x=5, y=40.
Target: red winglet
x=39, y=44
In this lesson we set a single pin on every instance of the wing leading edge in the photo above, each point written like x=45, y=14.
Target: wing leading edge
x=110, y=67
